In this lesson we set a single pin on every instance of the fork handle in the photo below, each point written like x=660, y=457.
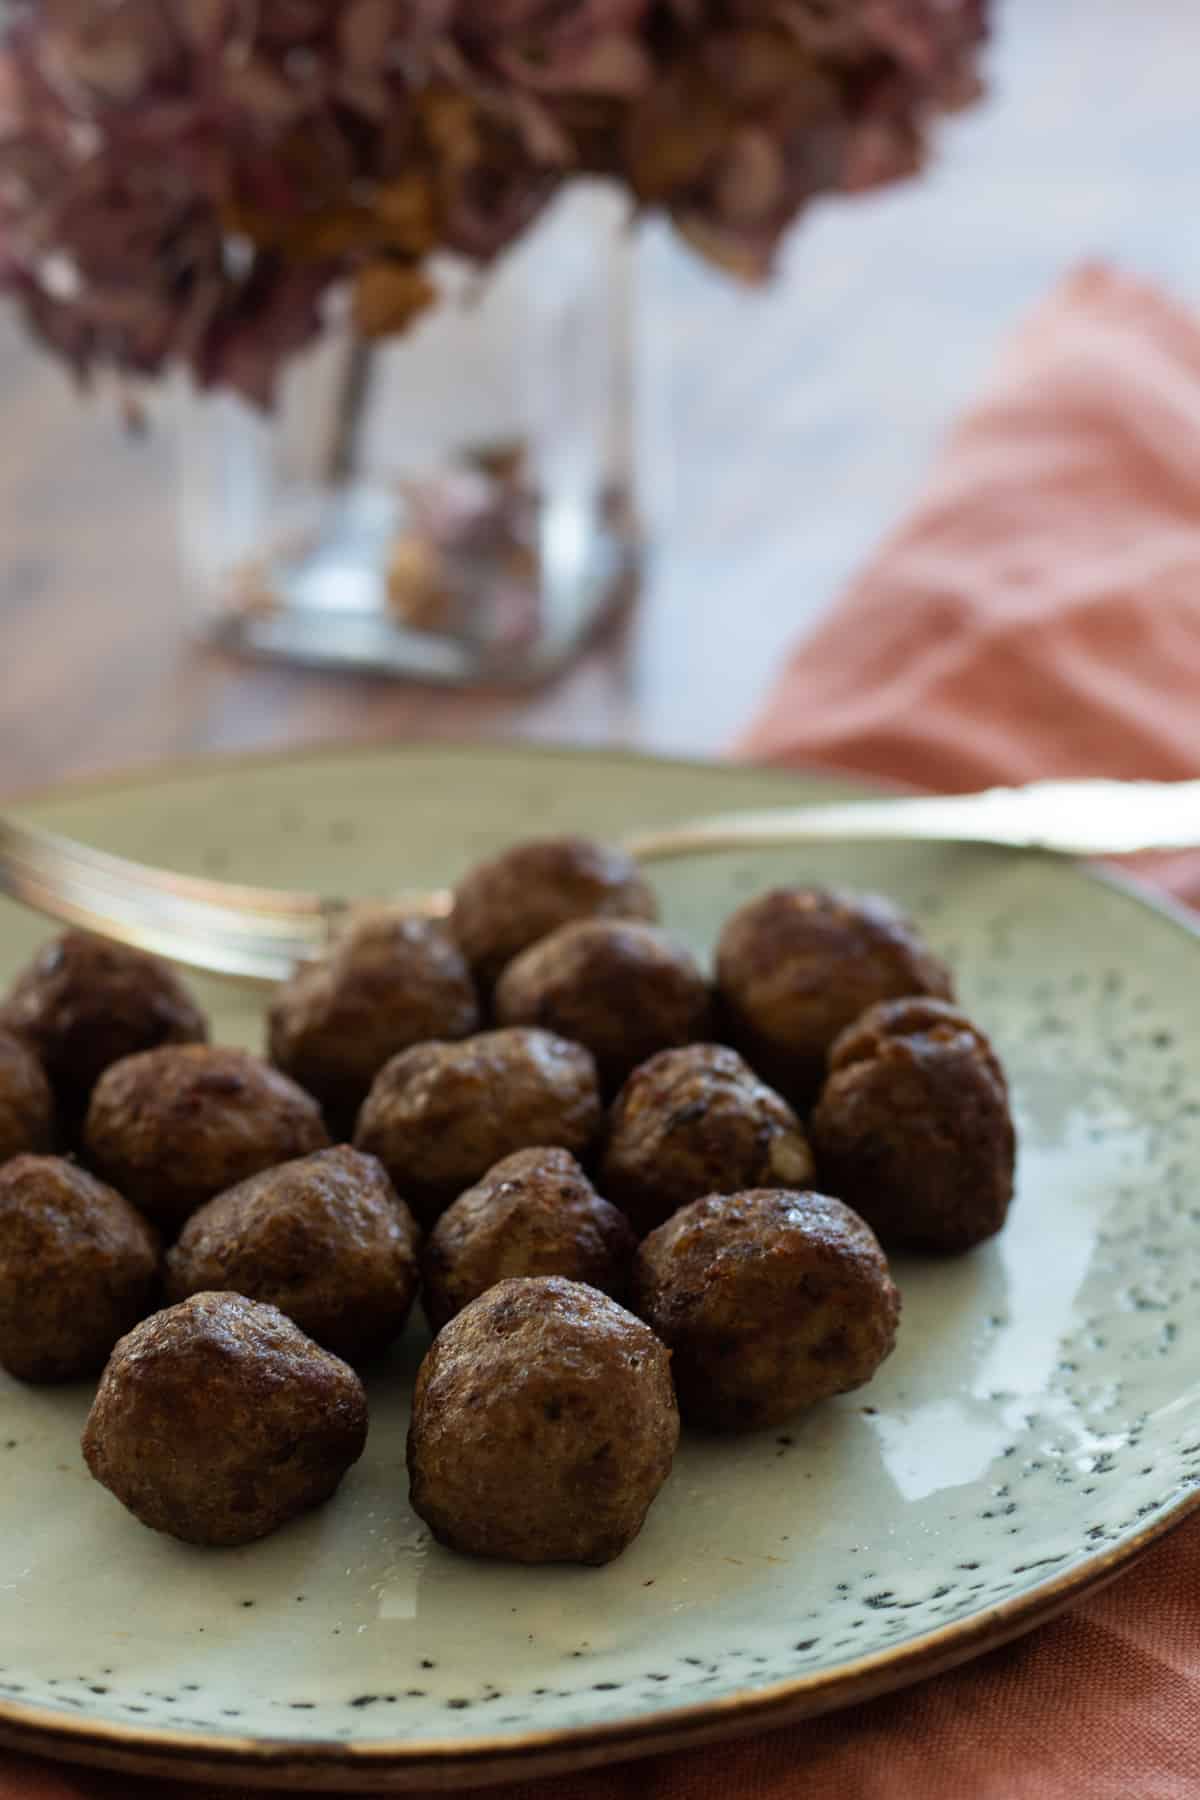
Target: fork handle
x=1072, y=818
x=260, y=934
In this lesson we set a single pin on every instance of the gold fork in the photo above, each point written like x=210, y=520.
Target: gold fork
x=260, y=934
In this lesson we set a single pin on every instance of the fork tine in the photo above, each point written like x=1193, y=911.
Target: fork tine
x=249, y=955
x=52, y=851
x=312, y=917
x=174, y=917
x=108, y=887
x=259, y=934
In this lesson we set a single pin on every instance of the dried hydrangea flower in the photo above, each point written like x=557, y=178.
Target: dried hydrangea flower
x=186, y=180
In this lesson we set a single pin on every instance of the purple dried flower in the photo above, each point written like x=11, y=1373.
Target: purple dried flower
x=185, y=180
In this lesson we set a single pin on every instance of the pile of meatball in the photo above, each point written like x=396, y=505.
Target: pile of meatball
x=625, y=1195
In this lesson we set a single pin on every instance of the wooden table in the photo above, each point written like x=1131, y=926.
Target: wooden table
x=780, y=434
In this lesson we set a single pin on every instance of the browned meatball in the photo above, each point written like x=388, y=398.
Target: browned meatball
x=543, y=1425
x=504, y=905
x=78, y=1267
x=698, y=1121
x=625, y=990
x=26, y=1103
x=913, y=1127
x=535, y=1213
x=173, y=1127
x=769, y=1301
x=218, y=1421
x=84, y=1003
x=324, y=1239
x=798, y=965
x=440, y=1115
x=392, y=982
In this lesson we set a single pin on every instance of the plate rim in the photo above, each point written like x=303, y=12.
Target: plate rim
x=201, y=762
x=448, y=1763
x=396, y=1766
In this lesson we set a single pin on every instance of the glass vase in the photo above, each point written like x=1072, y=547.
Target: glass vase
x=454, y=504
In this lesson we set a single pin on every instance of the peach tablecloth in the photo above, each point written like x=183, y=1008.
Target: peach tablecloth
x=1039, y=612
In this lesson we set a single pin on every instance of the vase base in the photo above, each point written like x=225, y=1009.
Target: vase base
x=370, y=594
x=377, y=646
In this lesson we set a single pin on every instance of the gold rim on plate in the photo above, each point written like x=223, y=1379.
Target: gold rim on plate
x=449, y=1763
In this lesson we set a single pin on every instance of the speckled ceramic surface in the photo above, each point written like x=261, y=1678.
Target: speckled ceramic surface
x=1039, y=1421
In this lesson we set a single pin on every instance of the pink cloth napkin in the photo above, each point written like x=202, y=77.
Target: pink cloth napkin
x=1038, y=613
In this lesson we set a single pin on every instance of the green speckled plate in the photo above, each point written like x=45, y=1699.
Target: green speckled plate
x=1038, y=1425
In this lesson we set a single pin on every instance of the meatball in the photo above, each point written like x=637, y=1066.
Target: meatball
x=26, y=1103
x=391, y=982
x=324, y=1239
x=78, y=1267
x=85, y=1003
x=698, y=1121
x=503, y=906
x=173, y=1127
x=913, y=1129
x=769, y=1301
x=543, y=1425
x=625, y=990
x=217, y=1421
x=440, y=1115
x=798, y=965
x=535, y=1213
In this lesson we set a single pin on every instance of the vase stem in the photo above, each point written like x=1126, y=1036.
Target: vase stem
x=345, y=438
